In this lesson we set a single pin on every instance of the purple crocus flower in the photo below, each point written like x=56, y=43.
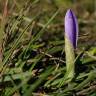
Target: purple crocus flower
x=71, y=36
x=71, y=28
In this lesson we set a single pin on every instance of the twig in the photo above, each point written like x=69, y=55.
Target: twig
x=85, y=91
x=52, y=58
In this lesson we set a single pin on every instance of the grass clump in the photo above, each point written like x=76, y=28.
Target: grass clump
x=34, y=56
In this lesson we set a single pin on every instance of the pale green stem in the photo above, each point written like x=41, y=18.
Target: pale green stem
x=70, y=58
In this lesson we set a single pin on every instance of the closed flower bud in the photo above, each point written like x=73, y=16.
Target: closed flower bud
x=71, y=28
x=71, y=36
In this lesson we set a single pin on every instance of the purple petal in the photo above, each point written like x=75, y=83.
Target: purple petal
x=71, y=27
